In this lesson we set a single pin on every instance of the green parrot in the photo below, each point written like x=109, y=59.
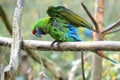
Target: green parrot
x=62, y=25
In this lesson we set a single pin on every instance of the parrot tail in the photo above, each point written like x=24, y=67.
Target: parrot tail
x=100, y=53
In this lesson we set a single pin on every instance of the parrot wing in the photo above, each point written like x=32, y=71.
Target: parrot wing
x=69, y=15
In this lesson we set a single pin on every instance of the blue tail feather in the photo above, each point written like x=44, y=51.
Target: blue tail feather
x=73, y=32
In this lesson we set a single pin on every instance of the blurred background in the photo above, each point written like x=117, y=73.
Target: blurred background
x=35, y=9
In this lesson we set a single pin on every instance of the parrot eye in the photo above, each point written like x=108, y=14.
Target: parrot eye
x=39, y=30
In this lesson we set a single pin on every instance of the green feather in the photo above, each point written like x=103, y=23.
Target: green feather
x=69, y=15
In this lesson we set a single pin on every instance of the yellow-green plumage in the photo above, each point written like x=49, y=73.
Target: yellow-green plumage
x=68, y=15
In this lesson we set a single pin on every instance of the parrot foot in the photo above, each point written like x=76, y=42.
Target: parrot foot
x=53, y=43
x=58, y=43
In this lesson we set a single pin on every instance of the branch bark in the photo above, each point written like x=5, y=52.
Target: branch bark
x=65, y=46
x=97, y=60
x=1, y=65
x=16, y=43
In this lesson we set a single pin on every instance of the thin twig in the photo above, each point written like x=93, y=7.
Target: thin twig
x=110, y=27
x=75, y=67
x=42, y=73
x=41, y=62
x=113, y=31
x=82, y=65
x=91, y=17
x=5, y=20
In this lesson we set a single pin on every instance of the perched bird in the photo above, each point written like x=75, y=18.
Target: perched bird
x=62, y=25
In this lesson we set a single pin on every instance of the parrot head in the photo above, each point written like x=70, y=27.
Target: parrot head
x=38, y=32
x=38, y=28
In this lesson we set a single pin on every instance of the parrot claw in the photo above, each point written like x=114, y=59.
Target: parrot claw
x=53, y=43
x=58, y=43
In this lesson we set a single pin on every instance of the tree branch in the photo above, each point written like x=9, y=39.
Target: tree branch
x=16, y=43
x=97, y=60
x=113, y=31
x=5, y=20
x=65, y=46
x=82, y=65
x=110, y=27
x=56, y=70
x=74, y=69
x=90, y=16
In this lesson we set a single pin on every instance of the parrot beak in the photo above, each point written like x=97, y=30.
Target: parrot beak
x=33, y=32
x=38, y=32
